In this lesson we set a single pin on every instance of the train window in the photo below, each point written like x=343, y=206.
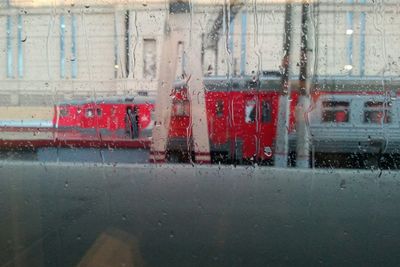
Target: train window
x=250, y=111
x=98, y=112
x=377, y=112
x=64, y=112
x=89, y=113
x=265, y=112
x=181, y=108
x=335, y=111
x=219, y=108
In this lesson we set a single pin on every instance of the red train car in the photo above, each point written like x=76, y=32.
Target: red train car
x=116, y=122
x=241, y=119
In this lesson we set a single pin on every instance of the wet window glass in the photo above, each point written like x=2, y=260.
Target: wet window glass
x=199, y=133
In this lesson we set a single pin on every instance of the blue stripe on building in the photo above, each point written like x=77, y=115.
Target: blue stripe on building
x=74, y=59
x=20, y=52
x=9, y=48
x=62, y=46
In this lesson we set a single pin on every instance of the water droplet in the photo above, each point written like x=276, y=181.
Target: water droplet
x=342, y=184
x=171, y=234
x=79, y=237
x=124, y=217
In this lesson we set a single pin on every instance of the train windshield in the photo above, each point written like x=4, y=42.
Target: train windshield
x=199, y=133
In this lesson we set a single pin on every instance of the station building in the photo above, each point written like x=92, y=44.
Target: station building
x=60, y=50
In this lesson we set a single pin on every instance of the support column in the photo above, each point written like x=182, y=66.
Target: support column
x=168, y=64
x=302, y=127
x=282, y=139
x=176, y=32
x=196, y=96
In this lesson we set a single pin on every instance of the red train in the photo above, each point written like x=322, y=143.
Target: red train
x=113, y=122
x=241, y=120
x=347, y=117
x=241, y=123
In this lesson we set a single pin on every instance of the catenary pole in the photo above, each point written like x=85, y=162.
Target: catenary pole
x=282, y=139
x=302, y=129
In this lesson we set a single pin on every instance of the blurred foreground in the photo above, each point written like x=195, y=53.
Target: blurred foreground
x=173, y=215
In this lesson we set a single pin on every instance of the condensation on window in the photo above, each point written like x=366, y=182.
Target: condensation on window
x=199, y=133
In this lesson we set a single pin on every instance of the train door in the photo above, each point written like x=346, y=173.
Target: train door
x=132, y=121
x=218, y=119
x=250, y=126
x=236, y=112
x=254, y=126
x=245, y=126
x=266, y=125
x=145, y=119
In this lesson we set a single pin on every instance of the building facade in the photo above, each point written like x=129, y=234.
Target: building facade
x=67, y=50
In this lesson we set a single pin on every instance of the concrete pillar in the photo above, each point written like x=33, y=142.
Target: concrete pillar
x=302, y=125
x=282, y=139
x=177, y=32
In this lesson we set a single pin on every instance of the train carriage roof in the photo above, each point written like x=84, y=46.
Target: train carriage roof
x=110, y=100
x=272, y=82
x=269, y=82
